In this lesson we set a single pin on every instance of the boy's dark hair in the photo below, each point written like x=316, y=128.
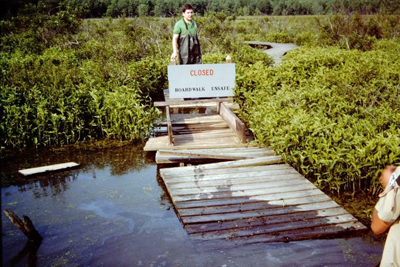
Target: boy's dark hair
x=186, y=7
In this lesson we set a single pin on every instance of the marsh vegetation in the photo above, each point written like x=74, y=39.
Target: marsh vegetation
x=331, y=108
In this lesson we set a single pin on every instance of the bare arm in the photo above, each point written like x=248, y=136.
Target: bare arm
x=378, y=226
x=175, y=38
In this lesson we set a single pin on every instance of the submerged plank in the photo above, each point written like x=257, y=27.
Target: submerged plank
x=48, y=168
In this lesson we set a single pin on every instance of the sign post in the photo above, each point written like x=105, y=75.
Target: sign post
x=202, y=80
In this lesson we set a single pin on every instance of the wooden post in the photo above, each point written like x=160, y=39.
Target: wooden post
x=234, y=122
x=26, y=226
x=169, y=126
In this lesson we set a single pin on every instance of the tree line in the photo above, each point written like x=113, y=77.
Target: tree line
x=171, y=8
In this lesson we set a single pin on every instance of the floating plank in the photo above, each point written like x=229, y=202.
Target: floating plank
x=48, y=168
x=248, y=202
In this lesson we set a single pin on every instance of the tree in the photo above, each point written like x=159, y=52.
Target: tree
x=143, y=10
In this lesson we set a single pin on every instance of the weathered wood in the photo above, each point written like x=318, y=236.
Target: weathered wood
x=245, y=199
x=269, y=160
x=199, y=174
x=233, y=121
x=259, y=221
x=55, y=167
x=304, y=225
x=169, y=126
x=161, y=142
x=230, y=200
x=172, y=175
x=253, y=193
x=225, y=180
x=25, y=225
x=183, y=119
x=301, y=234
x=251, y=206
x=203, y=155
x=191, y=102
x=220, y=154
x=233, y=188
x=257, y=213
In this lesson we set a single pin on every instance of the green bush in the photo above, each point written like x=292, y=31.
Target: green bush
x=55, y=99
x=333, y=114
x=357, y=32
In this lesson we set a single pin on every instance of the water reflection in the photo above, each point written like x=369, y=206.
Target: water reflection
x=119, y=159
x=113, y=211
x=77, y=210
x=30, y=249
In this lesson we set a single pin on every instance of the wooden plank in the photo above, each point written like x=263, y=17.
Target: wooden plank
x=234, y=122
x=267, y=220
x=245, y=199
x=164, y=159
x=191, y=102
x=192, y=173
x=219, y=155
x=203, y=155
x=261, y=205
x=197, y=120
x=225, y=180
x=207, y=134
x=48, y=168
x=301, y=234
x=165, y=156
x=154, y=146
x=258, y=213
x=269, y=160
x=169, y=125
x=250, y=193
x=184, y=116
x=304, y=224
x=233, y=188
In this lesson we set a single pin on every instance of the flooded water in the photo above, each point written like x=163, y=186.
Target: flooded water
x=113, y=211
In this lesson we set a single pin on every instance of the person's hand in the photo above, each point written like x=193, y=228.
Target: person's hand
x=385, y=176
x=174, y=56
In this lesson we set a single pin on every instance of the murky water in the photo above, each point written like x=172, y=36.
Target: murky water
x=113, y=211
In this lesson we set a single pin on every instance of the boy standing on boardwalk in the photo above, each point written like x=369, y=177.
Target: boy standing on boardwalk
x=185, y=43
x=386, y=216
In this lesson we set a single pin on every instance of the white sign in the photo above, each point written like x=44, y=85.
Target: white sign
x=201, y=80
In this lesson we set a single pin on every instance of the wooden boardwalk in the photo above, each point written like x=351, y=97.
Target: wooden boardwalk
x=253, y=200
x=249, y=195
x=221, y=129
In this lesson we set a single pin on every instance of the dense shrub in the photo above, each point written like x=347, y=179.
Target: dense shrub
x=54, y=99
x=333, y=114
x=357, y=32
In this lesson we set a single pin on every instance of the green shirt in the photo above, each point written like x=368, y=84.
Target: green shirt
x=180, y=27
